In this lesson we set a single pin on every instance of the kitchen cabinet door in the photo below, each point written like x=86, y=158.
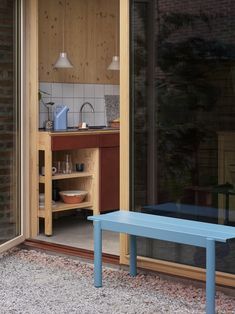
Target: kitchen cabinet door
x=109, y=178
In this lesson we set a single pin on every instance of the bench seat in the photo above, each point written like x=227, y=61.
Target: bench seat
x=176, y=230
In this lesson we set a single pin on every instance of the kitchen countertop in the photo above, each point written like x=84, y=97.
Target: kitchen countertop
x=76, y=131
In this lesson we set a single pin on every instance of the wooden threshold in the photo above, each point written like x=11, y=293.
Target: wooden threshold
x=68, y=250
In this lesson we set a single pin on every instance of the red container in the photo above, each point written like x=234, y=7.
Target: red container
x=73, y=197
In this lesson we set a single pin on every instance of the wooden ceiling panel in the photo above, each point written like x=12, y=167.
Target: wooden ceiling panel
x=91, y=28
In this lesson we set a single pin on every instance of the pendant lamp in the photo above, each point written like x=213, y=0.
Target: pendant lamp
x=63, y=60
x=115, y=64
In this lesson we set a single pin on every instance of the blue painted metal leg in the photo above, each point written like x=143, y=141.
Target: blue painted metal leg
x=210, y=276
x=97, y=254
x=133, y=255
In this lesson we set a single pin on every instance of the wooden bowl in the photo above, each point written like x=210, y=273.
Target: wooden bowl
x=114, y=124
x=73, y=197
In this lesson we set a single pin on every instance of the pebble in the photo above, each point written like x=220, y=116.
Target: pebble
x=36, y=282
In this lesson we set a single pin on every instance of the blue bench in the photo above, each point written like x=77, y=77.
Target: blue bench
x=162, y=228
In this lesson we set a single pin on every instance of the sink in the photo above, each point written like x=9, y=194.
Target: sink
x=100, y=127
x=97, y=127
x=90, y=128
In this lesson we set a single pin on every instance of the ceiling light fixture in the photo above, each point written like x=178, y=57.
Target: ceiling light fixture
x=115, y=64
x=63, y=60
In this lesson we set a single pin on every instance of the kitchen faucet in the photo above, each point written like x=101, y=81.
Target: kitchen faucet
x=81, y=110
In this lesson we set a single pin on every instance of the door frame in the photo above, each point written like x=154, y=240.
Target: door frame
x=30, y=150
x=23, y=138
x=31, y=99
x=125, y=167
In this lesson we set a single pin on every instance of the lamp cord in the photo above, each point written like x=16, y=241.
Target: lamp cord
x=117, y=53
x=64, y=11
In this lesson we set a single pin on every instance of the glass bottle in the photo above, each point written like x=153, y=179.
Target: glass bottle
x=67, y=164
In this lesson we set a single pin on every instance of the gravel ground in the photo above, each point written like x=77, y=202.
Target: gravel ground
x=38, y=283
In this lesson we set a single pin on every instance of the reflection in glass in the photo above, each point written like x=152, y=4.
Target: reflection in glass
x=9, y=123
x=183, y=119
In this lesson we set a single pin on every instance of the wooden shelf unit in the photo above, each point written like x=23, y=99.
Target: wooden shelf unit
x=87, y=180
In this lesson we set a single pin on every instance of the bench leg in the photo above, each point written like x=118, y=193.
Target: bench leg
x=97, y=254
x=133, y=255
x=210, y=276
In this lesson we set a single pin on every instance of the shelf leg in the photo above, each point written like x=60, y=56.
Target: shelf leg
x=48, y=226
x=48, y=189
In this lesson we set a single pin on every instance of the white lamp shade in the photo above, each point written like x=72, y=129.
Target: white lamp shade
x=115, y=64
x=63, y=61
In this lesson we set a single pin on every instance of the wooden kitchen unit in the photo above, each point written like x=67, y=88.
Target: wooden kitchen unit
x=99, y=151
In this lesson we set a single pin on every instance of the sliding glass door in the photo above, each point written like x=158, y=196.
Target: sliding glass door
x=10, y=176
x=183, y=119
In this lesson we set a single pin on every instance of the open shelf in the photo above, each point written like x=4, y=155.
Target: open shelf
x=60, y=206
x=67, y=176
x=87, y=180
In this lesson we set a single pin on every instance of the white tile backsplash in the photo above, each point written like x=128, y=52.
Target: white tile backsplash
x=46, y=88
x=74, y=96
x=100, y=118
x=43, y=117
x=99, y=91
x=89, y=90
x=42, y=107
x=78, y=90
x=76, y=119
x=69, y=103
x=57, y=101
x=78, y=102
x=115, y=90
x=67, y=90
x=56, y=89
x=108, y=89
x=70, y=119
x=99, y=105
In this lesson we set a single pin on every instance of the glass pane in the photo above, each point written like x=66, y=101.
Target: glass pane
x=183, y=119
x=9, y=123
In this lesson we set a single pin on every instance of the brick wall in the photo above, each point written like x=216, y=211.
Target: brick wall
x=7, y=125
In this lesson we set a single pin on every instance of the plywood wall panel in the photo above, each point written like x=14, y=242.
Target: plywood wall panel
x=90, y=40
